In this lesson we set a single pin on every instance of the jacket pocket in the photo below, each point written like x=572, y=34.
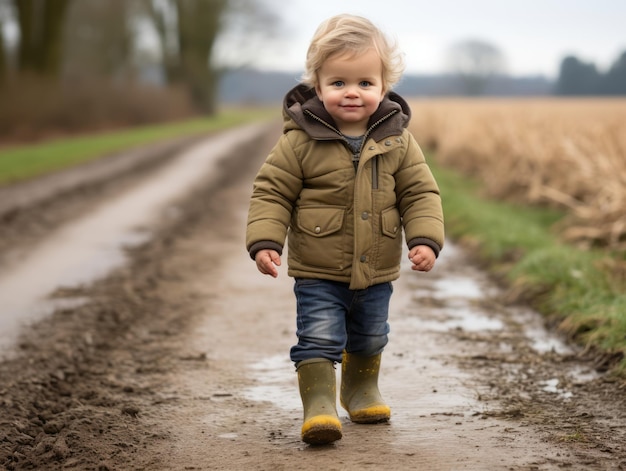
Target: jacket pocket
x=320, y=242
x=321, y=221
x=390, y=249
x=390, y=222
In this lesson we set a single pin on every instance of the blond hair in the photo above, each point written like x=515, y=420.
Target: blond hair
x=352, y=35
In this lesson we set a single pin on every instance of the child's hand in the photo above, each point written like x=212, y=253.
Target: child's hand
x=422, y=257
x=266, y=261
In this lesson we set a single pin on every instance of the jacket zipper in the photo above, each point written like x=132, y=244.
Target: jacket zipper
x=375, y=173
x=375, y=159
x=356, y=156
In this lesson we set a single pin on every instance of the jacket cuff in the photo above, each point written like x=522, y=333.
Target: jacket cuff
x=262, y=245
x=424, y=241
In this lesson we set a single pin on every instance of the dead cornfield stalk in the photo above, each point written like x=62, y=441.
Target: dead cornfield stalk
x=564, y=153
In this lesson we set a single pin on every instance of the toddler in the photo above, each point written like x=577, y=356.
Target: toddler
x=342, y=184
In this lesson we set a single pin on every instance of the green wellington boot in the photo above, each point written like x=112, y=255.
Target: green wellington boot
x=359, y=389
x=318, y=390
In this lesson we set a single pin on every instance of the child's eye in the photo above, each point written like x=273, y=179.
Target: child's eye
x=365, y=83
x=338, y=83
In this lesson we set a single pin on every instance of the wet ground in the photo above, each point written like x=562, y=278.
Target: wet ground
x=175, y=354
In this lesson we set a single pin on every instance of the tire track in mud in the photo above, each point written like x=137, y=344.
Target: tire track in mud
x=180, y=361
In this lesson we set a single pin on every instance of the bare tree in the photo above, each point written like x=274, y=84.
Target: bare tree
x=3, y=54
x=41, y=28
x=99, y=39
x=162, y=14
x=199, y=23
x=247, y=25
x=188, y=31
x=475, y=61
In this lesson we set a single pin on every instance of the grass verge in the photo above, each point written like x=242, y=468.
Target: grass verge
x=29, y=161
x=581, y=291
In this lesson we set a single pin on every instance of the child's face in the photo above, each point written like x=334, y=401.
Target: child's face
x=351, y=89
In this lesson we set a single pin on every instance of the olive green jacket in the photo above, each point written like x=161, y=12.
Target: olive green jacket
x=344, y=224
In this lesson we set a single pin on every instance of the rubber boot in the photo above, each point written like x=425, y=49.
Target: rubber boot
x=318, y=390
x=359, y=389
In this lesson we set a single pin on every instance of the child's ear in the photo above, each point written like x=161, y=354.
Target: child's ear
x=318, y=92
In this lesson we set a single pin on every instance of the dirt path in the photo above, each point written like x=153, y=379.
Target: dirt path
x=179, y=360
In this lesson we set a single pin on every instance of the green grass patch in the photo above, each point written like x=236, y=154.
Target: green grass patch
x=29, y=161
x=578, y=289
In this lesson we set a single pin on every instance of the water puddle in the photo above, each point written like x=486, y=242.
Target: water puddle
x=277, y=383
x=464, y=319
x=581, y=374
x=542, y=342
x=457, y=286
x=87, y=249
x=551, y=386
x=452, y=301
x=459, y=304
x=538, y=336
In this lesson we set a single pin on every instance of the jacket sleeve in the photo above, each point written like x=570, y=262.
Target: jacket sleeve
x=419, y=200
x=276, y=188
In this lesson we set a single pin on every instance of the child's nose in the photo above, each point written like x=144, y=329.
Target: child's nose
x=352, y=91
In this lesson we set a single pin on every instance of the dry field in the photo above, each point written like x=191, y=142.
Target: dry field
x=568, y=153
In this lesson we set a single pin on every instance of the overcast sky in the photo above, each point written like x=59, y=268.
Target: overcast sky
x=533, y=35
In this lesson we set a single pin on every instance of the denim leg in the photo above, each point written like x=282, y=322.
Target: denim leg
x=367, y=324
x=321, y=319
x=331, y=318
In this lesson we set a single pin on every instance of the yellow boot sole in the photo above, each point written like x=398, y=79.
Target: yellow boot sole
x=371, y=415
x=321, y=430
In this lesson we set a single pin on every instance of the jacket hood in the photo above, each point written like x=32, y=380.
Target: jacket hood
x=302, y=109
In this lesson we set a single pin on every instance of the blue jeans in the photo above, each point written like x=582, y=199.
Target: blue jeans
x=333, y=318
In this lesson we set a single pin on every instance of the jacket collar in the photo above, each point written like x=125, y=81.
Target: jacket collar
x=303, y=109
